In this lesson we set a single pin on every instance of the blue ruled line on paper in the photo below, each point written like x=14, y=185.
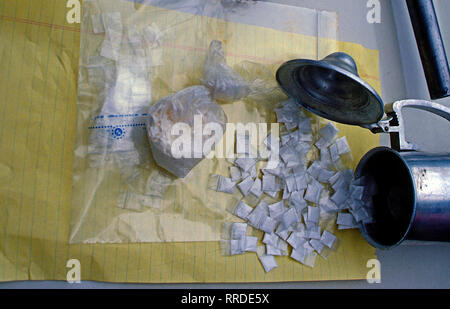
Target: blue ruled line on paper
x=120, y=116
x=118, y=126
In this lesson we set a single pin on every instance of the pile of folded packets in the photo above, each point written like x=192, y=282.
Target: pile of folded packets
x=298, y=203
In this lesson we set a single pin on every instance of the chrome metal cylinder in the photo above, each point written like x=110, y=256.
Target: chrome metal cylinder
x=413, y=196
x=431, y=175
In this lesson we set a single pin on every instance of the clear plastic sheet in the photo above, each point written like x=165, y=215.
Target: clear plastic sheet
x=134, y=53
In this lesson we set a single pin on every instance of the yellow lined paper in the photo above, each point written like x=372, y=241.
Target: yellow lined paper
x=39, y=57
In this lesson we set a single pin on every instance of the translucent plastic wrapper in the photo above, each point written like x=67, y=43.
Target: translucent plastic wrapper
x=137, y=54
x=225, y=83
x=191, y=107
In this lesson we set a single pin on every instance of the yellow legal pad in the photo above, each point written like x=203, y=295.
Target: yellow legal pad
x=38, y=93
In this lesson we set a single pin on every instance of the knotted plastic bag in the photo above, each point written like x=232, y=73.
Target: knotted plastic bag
x=226, y=84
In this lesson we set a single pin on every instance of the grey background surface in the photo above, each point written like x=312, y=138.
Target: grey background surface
x=410, y=265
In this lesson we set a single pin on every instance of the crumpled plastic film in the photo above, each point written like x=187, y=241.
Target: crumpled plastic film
x=191, y=107
x=225, y=83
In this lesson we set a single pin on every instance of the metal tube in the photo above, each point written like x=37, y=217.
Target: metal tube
x=412, y=200
x=431, y=174
x=431, y=47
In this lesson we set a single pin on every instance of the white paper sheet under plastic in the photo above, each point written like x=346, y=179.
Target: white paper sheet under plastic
x=119, y=79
